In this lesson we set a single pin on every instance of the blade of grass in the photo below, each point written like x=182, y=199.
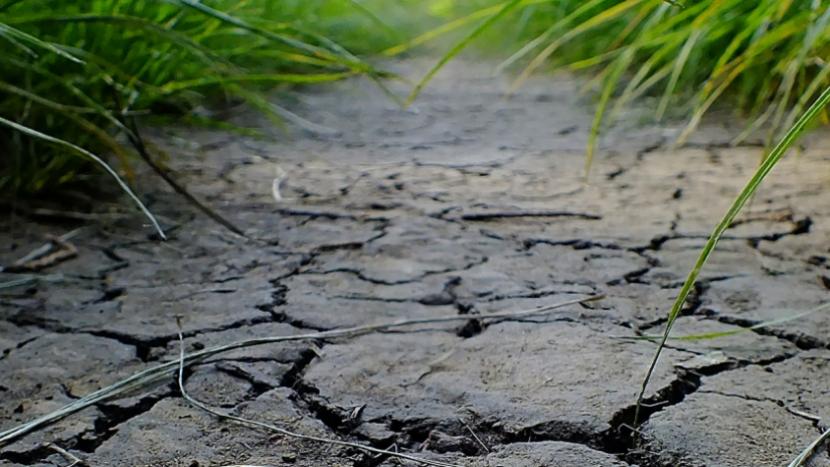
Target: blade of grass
x=392, y=32
x=72, y=112
x=461, y=45
x=83, y=152
x=602, y=18
x=222, y=415
x=808, y=452
x=8, y=31
x=786, y=142
x=439, y=31
x=618, y=68
x=715, y=335
x=320, y=52
x=176, y=86
x=175, y=37
x=679, y=63
x=546, y=35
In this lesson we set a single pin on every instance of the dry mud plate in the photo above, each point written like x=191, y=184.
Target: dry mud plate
x=465, y=204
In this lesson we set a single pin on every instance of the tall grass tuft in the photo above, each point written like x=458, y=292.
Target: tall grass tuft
x=79, y=71
x=767, y=59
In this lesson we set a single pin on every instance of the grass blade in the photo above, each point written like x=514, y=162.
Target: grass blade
x=439, y=31
x=460, y=46
x=808, y=452
x=715, y=335
x=83, y=152
x=176, y=86
x=8, y=31
x=750, y=188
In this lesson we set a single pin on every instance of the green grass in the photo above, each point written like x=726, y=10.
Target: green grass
x=71, y=77
x=764, y=59
x=79, y=72
x=789, y=138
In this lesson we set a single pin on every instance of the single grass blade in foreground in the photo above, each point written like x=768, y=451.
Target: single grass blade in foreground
x=743, y=197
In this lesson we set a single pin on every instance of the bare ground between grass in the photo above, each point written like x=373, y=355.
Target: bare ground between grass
x=464, y=203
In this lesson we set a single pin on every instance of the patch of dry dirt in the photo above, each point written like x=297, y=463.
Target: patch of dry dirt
x=465, y=203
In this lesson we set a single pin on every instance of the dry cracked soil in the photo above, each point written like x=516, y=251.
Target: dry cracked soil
x=465, y=203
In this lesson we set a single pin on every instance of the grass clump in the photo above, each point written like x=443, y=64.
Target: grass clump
x=79, y=72
x=767, y=59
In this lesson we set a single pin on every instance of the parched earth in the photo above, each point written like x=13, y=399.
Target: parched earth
x=467, y=203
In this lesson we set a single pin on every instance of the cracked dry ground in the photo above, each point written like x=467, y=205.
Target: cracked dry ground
x=467, y=204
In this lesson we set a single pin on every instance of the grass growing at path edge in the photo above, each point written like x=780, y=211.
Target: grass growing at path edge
x=767, y=59
x=77, y=72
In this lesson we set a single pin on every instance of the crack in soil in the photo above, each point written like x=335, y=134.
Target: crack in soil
x=361, y=275
x=621, y=439
x=105, y=427
x=453, y=436
x=143, y=345
x=490, y=216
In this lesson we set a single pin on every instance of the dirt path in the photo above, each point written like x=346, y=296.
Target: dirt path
x=465, y=204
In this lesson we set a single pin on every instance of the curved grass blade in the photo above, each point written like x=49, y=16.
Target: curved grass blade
x=20, y=45
x=805, y=96
x=180, y=39
x=439, y=31
x=228, y=19
x=461, y=45
x=641, y=81
x=72, y=112
x=750, y=188
x=83, y=152
x=679, y=63
x=817, y=26
x=527, y=48
x=715, y=335
x=78, y=92
x=8, y=31
x=607, y=15
x=616, y=72
x=761, y=44
x=808, y=452
x=177, y=86
x=381, y=24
